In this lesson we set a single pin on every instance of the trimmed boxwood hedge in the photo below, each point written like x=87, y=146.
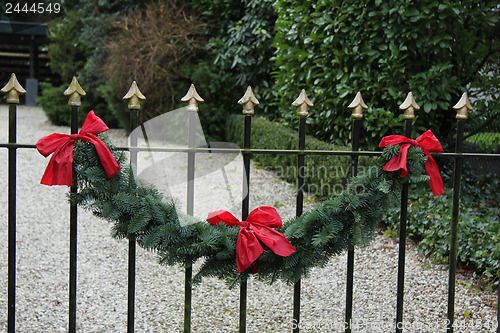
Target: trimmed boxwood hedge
x=325, y=176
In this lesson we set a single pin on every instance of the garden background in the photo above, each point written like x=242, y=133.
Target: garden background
x=436, y=49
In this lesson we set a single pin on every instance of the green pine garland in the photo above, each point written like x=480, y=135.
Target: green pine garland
x=137, y=210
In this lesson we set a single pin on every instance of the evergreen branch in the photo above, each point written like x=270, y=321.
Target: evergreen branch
x=139, y=211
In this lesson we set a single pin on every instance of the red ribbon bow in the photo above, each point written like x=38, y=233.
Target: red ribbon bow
x=59, y=171
x=427, y=142
x=257, y=227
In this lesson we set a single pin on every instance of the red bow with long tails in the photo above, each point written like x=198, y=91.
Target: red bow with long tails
x=257, y=227
x=59, y=171
x=428, y=143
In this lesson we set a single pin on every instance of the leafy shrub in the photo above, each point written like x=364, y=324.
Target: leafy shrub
x=69, y=56
x=67, y=53
x=325, y=176
x=436, y=49
x=77, y=37
x=486, y=141
x=164, y=50
x=429, y=220
x=54, y=104
x=216, y=86
x=243, y=45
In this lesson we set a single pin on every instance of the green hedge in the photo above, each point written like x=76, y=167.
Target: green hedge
x=429, y=220
x=325, y=176
x=56, y=108
x=384, y=49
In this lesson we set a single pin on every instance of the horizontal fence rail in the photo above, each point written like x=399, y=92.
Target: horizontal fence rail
x=75, y=92
x=268, y=151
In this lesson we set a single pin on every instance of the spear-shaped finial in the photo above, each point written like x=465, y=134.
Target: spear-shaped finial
x=74, y=92
x=463, y=106
x=134, y=95
x=302, y=102
x=192, y=98
x=248, y=101
x=409, y=105
x=358, y=105
x=13, y=89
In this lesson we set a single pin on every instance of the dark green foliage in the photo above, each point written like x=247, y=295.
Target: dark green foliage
x=429, y=220
x=166, y=52
x=77, y=36
x=68, y=54
x=164, y=48
x=436, y=49
x=224, y=11
x=243, y=46
x=217, y=87
x=486, y=141
x=324, y=175
x=138, y=211
x=55, y=105
x=482, y=129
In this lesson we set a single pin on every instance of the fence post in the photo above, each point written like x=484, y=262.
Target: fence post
x=249, y=101
x=462, y=107
x=357, y=114
x=134, y=96
x=302, y=103
x=74, y=92
x=192, y=98
x=13, y=89
x=409, y=105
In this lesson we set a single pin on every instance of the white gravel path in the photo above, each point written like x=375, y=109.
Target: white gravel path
x=42, y=270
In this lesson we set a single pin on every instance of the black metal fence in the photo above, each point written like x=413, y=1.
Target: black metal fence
x=13, y=89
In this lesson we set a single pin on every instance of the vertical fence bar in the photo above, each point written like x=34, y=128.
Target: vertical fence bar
x=244, y=214
x=134, y=96
x=299, y=210
x=409, y=105
x=12, y=218
x=75, y=92
x=462, y=107
x=302, y=102
x=131, y=241
x=248, y=101
x=13, y=89
x=131, y=284
x=73, y=229
x=358, y=105
x=192, y=98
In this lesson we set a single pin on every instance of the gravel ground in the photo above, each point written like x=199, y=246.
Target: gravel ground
x=42, y=270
